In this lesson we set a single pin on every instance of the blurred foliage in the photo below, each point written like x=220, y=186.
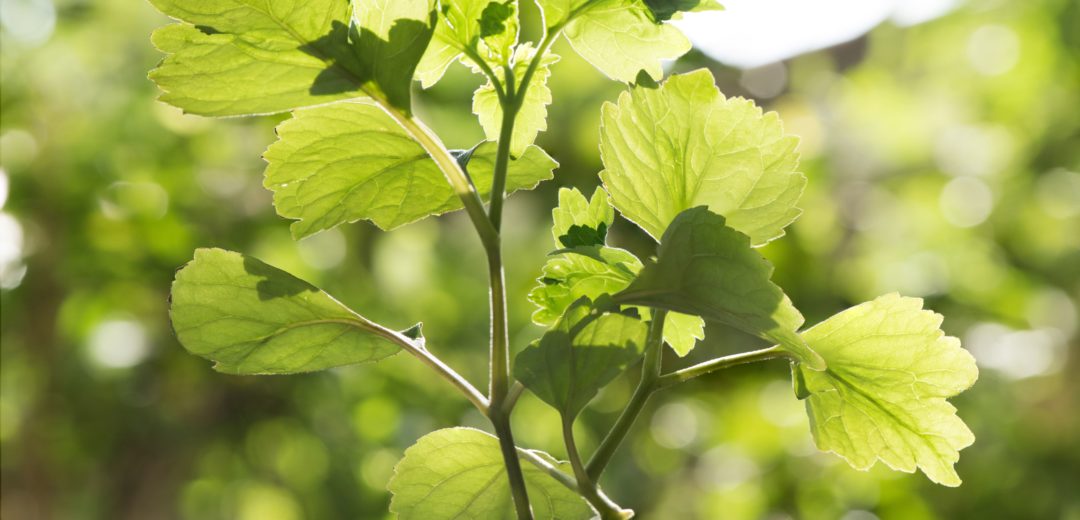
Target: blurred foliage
x=944, y=162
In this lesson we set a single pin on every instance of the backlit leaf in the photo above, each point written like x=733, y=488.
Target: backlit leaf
x=684, y=145
x=237, y=57
x=883, y=396
x=707, y=269
x=351, y=161
x=251, y=318
x=458, y=473
x=584, y=351
x=532, y=115
x=618, y=37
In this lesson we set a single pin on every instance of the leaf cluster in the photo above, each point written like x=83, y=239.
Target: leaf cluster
x=710, y=178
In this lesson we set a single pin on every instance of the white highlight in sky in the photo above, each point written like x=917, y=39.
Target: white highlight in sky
x=753, y=33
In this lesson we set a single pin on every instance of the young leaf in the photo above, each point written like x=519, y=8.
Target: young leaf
x=684, y=145
x=458, y=473
x=586, y=267
x=618, y=37
x=351, y=161
x=483, y=30
x=251, y=318
x=580, y=221
x=236, y=57
x=883, y=395
x=585, y=350
x=707, y=269
x=532, y=115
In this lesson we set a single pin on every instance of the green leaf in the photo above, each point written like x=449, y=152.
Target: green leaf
x=251, y=318
x=458, y=473
x=682, y=331
x=238, y=57
x=707, y=269
x=618, y=37
x=586, y=267
x=684, y=145
x=532, y=115
x=471, y=29
x=891, y=369
x=577, y=272
x=666, y=9
x=580, y=221
x=351, y=161
x=584, y=351
x=393, y=35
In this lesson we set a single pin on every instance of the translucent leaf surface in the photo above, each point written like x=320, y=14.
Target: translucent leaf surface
x=619, y=37
x=684, y=145
x=457, y=473
x=239, y=57
x=351, y=161
x=532, y=115
x=251, y=318
x=707, y=269
x=584, y=351
x=883, y=396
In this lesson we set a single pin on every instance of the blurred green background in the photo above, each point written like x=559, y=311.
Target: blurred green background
x=944, y=162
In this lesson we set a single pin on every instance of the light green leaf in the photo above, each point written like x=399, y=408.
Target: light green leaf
x=707, y=269
x=389, y=38
x=684, y=145
x=458, y=473
x=239, y=57
x=891, y=369
x=618, y=37
x=580, y=221
x=251, y=318
x=532, y=115
x=588, y=268
x=351, y=161
x=682, y=331
x=584, y=351
x=470, y=29
x=577, y=272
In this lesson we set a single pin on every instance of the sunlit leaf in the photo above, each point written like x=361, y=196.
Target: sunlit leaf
x=532, y=115
x=618, y=37
x=584, y=351
x=470, y=30
x=579, y=221
x=684, y=145
x=707, y=269
x=351, y=161
x=584, y=266
x=235, y=57
x=458, y=473
x=251, y=318
x=883, y=396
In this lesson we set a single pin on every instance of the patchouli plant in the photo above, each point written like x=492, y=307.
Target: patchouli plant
x=710, y=178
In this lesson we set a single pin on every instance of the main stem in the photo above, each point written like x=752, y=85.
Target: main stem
x=499, y=376
x=650, y=375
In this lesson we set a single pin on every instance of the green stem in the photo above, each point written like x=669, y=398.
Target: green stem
x=586, y=487
x=499, y=360
x=650, y=374
x=460, y=183
x=520, y=493
x=502, y=162
x=713, y=365
x=417, y=350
